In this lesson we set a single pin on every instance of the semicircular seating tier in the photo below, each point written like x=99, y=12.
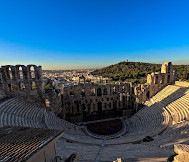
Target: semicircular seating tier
x=167, y=111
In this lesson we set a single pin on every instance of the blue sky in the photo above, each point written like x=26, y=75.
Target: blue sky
x=65, y=34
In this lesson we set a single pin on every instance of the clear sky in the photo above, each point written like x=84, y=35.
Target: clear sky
x=64, y=34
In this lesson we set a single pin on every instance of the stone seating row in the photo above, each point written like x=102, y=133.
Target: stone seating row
x=165, y=92
x=53, y=122
x=20, y=112
x=177, y=104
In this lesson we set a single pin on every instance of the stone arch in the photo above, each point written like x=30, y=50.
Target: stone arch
x=99, y=107
x=114, y=104
x=110, y=105
x=9, y=73
x=105, y=105
x=92, y=92
x=83, y=93
x=32, y=69
x=20, y=72
x=11, y=87
x=94, y=107
x=99, y=92
x=32, y=72
x=33, y=85
x=47, y=103
x=105, y=91
x=22, y=86
x=114, y=90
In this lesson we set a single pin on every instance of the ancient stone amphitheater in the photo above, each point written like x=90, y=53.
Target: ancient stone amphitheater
x=164, y=117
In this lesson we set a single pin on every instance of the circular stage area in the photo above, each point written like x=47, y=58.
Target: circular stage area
x=106, y=129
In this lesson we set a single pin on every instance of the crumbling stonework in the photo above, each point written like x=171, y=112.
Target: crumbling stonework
x=155, y=82
x=89, y=99
x=82, y=99
x=53, y=101
x=20, y=80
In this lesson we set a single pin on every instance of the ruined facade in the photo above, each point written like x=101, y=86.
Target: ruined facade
x=87, y=99
x=155, y=82
x=77, y=102
x=20, y=80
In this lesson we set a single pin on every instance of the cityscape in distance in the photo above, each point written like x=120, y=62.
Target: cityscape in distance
x=94, y=81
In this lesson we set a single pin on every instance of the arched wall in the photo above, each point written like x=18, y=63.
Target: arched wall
x=155, y=82
x=113, y=98
x=21, y=81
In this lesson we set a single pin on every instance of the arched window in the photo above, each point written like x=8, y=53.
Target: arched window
x=92, y=92
x=104, y=91
x=83, y=93
x=162, y=79
x=20, y=72
x=114, y=90
x=47, y=103
x=11, y=87
x=99, y=92
x=32, y=72
x=22, y=86
x=33, y=86
x=72, y=93
x=10, y=73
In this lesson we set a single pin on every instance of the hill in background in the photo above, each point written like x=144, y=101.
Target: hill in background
x=136, y=72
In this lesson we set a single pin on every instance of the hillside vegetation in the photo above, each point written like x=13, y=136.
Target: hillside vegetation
x=136, y=72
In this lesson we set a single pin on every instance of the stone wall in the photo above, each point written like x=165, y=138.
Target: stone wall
x=53, y=101
x=155, y=82
x=97, y=98
x=74, y=101
x=2, y=92
x=20, y=80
